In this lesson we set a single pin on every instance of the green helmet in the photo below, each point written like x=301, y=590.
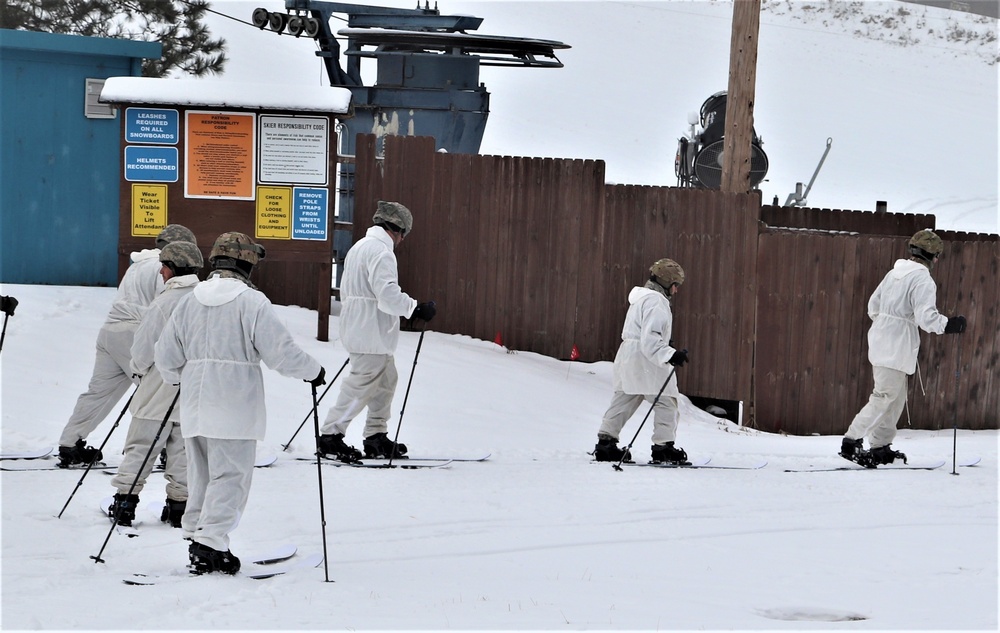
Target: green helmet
x=926, y=244
x=667, y=272
x=175, y=233
x=395, y=214
x=182, y=255
x=238, y=246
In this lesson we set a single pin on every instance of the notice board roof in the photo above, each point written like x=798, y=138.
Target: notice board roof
x=225, y=94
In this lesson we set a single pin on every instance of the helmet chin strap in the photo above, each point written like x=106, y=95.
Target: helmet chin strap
x=228, y=263
x=922, y=256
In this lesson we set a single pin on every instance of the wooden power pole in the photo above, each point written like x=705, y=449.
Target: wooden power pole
x=740, y=100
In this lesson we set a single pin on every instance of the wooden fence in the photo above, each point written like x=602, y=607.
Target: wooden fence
x=543, y=253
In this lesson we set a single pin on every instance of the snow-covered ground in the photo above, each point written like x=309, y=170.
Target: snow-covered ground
x=536, y=538
x=912, y=111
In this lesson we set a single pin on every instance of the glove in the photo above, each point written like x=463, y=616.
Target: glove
x=425, y=311
x=320, y=378
x=7, y=305
x=679, y=358
x=956, y=325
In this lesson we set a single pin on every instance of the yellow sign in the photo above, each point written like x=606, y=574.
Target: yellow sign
x=274, y=213
x=149, y=210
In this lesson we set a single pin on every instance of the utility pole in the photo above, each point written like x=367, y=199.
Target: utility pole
x=741, y=95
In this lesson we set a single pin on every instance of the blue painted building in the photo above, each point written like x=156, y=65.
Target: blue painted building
x=59, y=156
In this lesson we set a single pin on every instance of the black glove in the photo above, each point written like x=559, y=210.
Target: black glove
x=679, y=358
x=7, y=305
x=320, y=378
x=956, y=325
x=425, y=311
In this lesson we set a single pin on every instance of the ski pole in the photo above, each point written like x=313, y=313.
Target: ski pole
x=3, y=334
x=9, y=305
x=319, y=472
x=406, y=395
x=628, y=449
x=316, y=404
x=100, y=450
x=135, y=482
x=954, y=413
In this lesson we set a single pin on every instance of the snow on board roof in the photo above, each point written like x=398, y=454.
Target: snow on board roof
x=192, y=92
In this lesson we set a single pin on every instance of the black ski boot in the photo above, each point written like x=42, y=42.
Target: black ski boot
x=335, y=447
x=173, y=511
x=885, y=455
x=668, y=454
x=607, y=450
x=124, y=508
x=379, y=446
x=854, y=451
x=79, y=453
x=205, y=560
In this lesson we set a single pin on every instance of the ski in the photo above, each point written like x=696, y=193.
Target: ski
x=36, y=454
x=265, y=460
x=43, y=464
x=380, y=463
x=262, y=462
x=708, y=463
x=924, y=465
x=377, y=463
x=261, y=567
x=698, y=463
x=481, y=457
x=130, y=531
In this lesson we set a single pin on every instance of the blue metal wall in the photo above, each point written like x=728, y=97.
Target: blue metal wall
x=59, y=170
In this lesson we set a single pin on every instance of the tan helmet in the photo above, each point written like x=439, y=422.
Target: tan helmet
x=237, y=246
x=667, y=272
x=395, y=214
x=926, y=244
x=182, y=255
x=175, y=233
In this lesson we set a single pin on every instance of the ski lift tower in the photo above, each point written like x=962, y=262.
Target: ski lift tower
x=427, y=80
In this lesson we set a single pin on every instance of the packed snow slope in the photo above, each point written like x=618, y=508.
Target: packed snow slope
x=907, y=94
x=535, y=538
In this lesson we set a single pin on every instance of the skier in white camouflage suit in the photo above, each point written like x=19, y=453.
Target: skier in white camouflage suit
x=212, y=346
x=369, y=330
x=905, y=300
x=111, y=375
x=180, y=263
x=642, y=366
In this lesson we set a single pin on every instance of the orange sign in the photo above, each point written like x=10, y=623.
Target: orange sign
x=220, y=158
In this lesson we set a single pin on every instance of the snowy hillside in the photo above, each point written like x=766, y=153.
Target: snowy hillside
x=907, y=94
x=535, y=538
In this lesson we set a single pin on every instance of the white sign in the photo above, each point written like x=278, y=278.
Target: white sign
x=294, y=150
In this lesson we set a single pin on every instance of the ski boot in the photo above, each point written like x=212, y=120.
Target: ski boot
x=123, y=508
x=205, y=560
x=78, y=454
x=854, y=451
x=668, y=454
x=607, y=450
x=334, y=446
x=173, y=511
x=885, y=455
x=379, y=446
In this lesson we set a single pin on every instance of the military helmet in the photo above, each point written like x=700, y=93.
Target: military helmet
x=175, y=233
x=928, y=242
x=237, y=246
x=395, y=214
x=667, y=272
x=182, y=255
